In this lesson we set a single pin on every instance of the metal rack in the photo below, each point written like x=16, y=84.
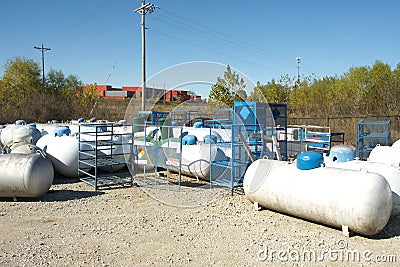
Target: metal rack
x=253, y=136
x=279, y=113
x=303, y=138
x=154, y=161
x=370, y=134
x=267, y=124
x=153, y=117
x=229, y=172
x=106, y=153
x=185, y=117
x=223, y=117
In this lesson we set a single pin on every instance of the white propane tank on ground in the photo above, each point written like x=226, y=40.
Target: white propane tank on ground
x=119, y=147
x=8, y=133
x=115, y=146
x=63, y=152
x=389, y=172
x=385, y=154
x=396, y=144
x=25, y=175
x=358, y=200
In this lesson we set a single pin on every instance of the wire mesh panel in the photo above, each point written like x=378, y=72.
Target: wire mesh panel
x=229, y=171
x=185, y=117
x=279, y=113
x=223, y=116
x=266, y=121
x=371, y=134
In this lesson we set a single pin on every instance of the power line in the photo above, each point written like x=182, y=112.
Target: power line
x=193, y=27
x=96, y=12
x=224, y=38
x=214, y=51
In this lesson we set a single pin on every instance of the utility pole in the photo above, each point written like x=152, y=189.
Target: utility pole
x=42, y=49
x=298, y=59
x=143, y=10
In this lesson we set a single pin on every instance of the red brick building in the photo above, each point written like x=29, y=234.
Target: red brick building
x=108, y=92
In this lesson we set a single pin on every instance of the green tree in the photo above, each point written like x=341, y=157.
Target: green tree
x=227, y=89
x=271, y=93
x=22, y=94
x=21, y=80
x=20, y=85
x=55, y=81
x=87, y=96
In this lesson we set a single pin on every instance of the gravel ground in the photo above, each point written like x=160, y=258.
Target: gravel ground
x=73, y=225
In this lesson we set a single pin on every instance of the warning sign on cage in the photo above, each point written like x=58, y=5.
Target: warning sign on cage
x=172, y=162
x=140, y=152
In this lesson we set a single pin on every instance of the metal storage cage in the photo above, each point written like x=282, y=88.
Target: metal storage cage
x=223, y=117
x=107, y=153
x=185, y=117
x=153, y=117
x=279, y=113
x=370, y=134
x=155, y=161
x=254, y=135
x=229, y=171
x=267, y=119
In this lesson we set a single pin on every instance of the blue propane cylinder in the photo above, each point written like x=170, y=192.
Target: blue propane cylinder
x=100, y=128
x=342, y=153
x=189, y=140
x=62, y=130
x=120, y=123
x=20, y=122
x=210, y=139
x=198, y=124
x=309, y=160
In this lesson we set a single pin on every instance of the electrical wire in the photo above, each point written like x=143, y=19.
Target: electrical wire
x=193, y=27
x=214, y=51
x=221, y=37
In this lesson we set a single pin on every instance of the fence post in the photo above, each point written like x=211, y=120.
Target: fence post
x=327, y=120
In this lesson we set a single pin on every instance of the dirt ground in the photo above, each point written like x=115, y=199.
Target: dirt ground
x=73, y=225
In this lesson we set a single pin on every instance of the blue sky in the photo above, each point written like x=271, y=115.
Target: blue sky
x=100, y=41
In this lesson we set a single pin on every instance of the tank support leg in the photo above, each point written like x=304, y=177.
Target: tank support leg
x=345, y=230
x=256, y=206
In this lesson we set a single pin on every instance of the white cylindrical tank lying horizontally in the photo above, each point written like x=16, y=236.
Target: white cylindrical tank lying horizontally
x=389, y=172
x=63, y=152
x=195, y=158
x=396, y=144
x=385, y=154
x=361, y=201
x=108, y=145
x=25, y=175
x=116, y=151
x=48, y=128
x=8, y=133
